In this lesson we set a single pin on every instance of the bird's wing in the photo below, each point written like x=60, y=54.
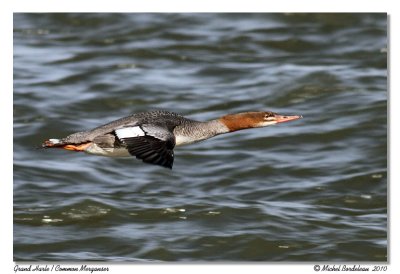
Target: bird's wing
x=152, y=144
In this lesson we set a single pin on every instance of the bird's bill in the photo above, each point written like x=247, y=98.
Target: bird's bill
x=286, y=118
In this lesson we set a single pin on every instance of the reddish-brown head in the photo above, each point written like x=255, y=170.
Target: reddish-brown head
x=255, y=119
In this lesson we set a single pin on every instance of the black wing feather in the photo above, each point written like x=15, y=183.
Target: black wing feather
x=151, y=150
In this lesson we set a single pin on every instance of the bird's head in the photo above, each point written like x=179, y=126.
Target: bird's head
x=255, y=119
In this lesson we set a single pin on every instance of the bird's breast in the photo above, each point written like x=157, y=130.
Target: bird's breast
x=184, y=140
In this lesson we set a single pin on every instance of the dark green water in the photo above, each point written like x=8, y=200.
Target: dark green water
x=310, y=190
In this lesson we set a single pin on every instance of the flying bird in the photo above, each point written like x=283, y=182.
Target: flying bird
x=151, y=136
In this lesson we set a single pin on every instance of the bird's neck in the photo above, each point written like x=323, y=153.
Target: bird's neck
x=239, y=121
x=194, y=131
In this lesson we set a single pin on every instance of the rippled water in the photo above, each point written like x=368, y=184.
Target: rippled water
x=309, y=190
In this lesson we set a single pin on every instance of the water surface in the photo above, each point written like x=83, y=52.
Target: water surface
x=309, y=190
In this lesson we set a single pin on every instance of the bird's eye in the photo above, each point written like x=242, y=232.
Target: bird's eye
x=268, y=115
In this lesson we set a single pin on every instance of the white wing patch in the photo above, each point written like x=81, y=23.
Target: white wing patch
x=129, y=132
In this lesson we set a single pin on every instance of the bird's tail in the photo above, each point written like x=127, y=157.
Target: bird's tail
x=53, y=143
x=62, y=143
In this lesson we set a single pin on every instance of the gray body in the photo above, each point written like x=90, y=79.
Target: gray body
x=149, y=136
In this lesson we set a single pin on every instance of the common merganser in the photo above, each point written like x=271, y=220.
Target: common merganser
x=151, y=136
